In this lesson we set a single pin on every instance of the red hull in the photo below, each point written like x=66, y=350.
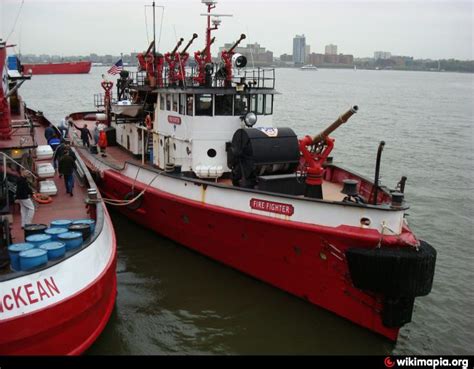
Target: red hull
x=68, y=327
x=58, y=68
x=266, y=248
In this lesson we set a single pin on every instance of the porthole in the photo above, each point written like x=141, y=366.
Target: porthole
x=211, y=153
x=365, y=222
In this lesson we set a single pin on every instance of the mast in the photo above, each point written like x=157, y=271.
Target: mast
x=154, y=31
x=211, y=4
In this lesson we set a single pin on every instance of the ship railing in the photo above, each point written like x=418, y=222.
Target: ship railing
x=99, y=100
x=254, y=78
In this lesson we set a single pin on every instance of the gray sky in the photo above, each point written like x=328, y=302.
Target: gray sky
x=422, y=29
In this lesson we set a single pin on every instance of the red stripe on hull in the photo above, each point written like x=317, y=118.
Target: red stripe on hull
x=58, y=68
x=298, y=258
x=68, y=327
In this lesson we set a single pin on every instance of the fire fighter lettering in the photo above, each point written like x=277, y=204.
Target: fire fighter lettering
x=272, y=207
x=28, y=294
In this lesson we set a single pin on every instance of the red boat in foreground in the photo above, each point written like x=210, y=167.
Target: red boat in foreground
x=55, y=297
x=203, y=165
x=81, y=67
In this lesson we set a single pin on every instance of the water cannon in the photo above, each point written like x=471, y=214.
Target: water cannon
x=343, y=118
x=242, y=37
x=321, y=146
x=177, y=46
x=203, y=51
x=195, y=36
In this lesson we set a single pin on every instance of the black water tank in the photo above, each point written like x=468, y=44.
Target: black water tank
x=83, y=228
x=262, y=151
x=31, y=229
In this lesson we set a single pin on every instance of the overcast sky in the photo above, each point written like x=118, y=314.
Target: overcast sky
x=422, y=29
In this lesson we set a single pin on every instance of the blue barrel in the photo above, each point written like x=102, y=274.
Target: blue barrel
x=55, y=250
x=33, y=258
x=61, y=223
x=14, y=252
x=55, y=232
x=71, y=239
x=38, y=239
x=91, y=222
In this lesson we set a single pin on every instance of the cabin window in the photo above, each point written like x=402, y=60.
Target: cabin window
x=175, y=102
x=169, y=97
x=162, y=102
x=189, y=105
x=259, y=104
x=253, y=103
x=240, y=104
x=224, y=104
x=268, y=104
x=204, y=104
x=182, y=104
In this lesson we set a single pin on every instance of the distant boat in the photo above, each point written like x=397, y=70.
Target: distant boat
x=81, y=67
x=309, y=67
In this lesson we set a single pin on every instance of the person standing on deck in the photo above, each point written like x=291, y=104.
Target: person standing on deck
x=58, y=153
x=66, y=168
x=54, y=142
x=64, y=126
x=102, y=143
x=96, y=133
x=23, y=196
x=85, y=135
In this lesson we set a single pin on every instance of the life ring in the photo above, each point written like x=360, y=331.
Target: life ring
x=148, y=122
x=42, y=199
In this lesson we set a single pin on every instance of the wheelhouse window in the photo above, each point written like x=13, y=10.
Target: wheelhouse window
x=175, y=102
x=204, y=104
x=182, y=104
x=189, y=105
x=268, y=104
x=224, y=104
x=241, y=104
x=162, y=102
x=256, y=104
x=169, y=97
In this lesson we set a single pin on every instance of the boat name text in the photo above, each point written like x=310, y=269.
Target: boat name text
x=272, y=207
x=28, y=294
x=174, y=120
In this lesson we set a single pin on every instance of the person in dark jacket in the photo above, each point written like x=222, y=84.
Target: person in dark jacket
x=85, y=134
x=67, y=164
x=23, y=196
x=49, y=132
x=54, y=142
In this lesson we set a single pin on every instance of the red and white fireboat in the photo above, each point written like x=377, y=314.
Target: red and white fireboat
x=202, y=164
x=56, y=299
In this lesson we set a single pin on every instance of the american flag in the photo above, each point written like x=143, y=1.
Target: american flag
x=116, y=68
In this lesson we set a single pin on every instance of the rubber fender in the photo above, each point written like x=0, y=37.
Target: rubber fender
x=393, y=271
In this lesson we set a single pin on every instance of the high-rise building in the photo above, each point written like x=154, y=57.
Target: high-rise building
x=330, y=49
x=382, y=55
x=299, y=49
x=307, y=51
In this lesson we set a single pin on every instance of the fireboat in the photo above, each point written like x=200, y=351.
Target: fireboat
x=194, y=156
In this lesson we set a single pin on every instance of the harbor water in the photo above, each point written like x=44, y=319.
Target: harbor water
x=174, y=301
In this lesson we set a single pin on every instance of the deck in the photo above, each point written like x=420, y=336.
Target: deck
x=116, y=156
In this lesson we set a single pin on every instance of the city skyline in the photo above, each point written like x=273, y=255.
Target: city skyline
x=431, y=30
